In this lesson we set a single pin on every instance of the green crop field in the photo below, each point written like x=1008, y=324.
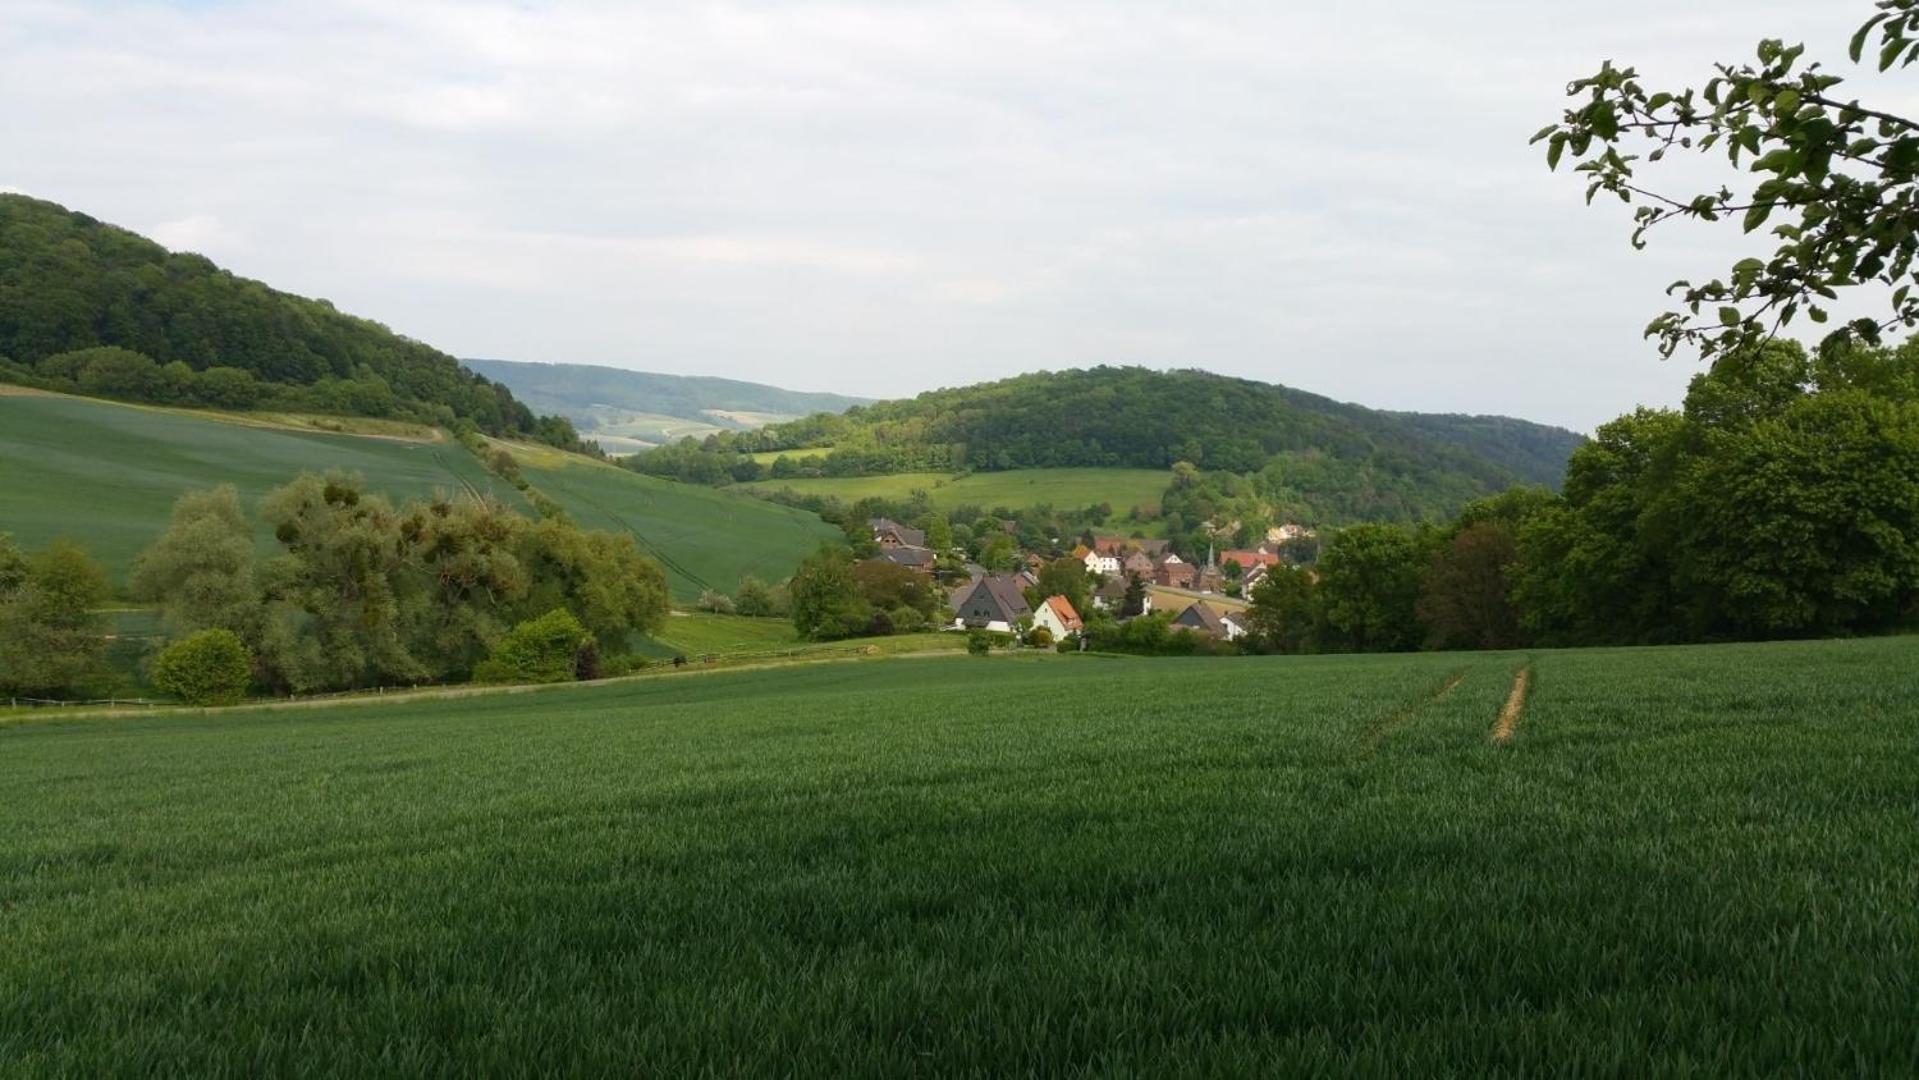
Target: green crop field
x=1014, y=490
x=107, y=474
x=1688, y=861
x=706, y=538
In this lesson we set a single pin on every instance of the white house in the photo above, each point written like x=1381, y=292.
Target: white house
x=1103, y=565
x=1057, y=617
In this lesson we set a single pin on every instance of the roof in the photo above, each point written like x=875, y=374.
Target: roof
x=1198, y=616
x=908, y=556
x=907, y=535
x=1003, y=591
x=1112, y=588
x=1237, y=618
x=1063, y=611
x=1119, y=545
x=1248, y=559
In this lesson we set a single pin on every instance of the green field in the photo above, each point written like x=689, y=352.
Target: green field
x=107, y=474
x=705, y=538
x=1015, y=490
x=1689, y=861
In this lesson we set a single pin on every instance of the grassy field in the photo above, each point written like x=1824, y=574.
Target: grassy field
x=107, y=474
x=705, y=538
x=1694, y=861
x=1059, y=488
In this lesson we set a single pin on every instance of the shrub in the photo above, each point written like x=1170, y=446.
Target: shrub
x=1039, y=637
x=542, y=650
x=716, y=602
x=211, y=667
x=979, y=643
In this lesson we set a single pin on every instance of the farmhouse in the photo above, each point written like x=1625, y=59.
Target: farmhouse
x=1103, y=565
x=1247, y=560
x=917, y=559
x=1170, y=571
x=1137, y=562
x=993, y=603
x=888, y=533
x=1111, y=596
x=1057, y=617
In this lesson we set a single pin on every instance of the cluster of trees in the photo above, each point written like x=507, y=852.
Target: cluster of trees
x=186, y=332
x=52, y=637
x=1315, y=457
x=834, y=595
x=364, y=592
x=1782, y=500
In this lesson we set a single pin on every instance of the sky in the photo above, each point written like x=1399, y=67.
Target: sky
x=883, y=198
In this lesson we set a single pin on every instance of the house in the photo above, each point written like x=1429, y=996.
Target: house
x=993, y=602
x=917, y=559
x=1251, y=579
x=1028, y=579
x=1120, y=545
x=1279, y=534
x=1137, y=562
x=1200, y=619
x=888, y=533
x=1111, y=596
x=1170, y=572
x=1247, y=560
x=1057, y=617
x=1235, y=624
x=1103, y=565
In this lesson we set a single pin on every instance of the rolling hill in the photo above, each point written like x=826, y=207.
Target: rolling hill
x=92, y=308
x=106, y=474
x=631, y=410
x=1325, y=459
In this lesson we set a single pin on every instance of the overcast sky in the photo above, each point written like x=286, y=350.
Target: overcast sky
x=880, y=198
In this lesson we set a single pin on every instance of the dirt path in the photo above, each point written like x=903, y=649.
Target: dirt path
x=1403, y=715
x=1515, y=703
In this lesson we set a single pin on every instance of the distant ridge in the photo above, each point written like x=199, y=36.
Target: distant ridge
x=628, y=410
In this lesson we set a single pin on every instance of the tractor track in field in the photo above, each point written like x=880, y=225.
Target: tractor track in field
x=1407, y=712
x=1508, y=722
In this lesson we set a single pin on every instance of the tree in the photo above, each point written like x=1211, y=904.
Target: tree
x=210, y=667
x=1000, y=554
x=753, y=597
x=542, y=650
x=51, y=637
x=1465, y=596
x=1846, y=176
x=826, y=599
x=1284, y=610
x=1066, y=577
x=939, y=533
x=889, y=587
x=201, y=569
x=13, y=567
x=1134, y=602
x=1369, y=589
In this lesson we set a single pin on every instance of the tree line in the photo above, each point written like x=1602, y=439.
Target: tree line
x=1781, y=500
x=94, y=309
x=358, y=591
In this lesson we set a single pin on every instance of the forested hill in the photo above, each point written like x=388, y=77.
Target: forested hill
x=1401, y=463
x=83, y=304
x=619, y=406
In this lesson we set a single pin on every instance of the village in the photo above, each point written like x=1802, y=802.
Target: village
x=1125, y=578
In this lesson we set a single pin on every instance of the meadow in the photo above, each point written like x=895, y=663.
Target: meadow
x=1686, y=861
x=1018, y=489
x=107, y=474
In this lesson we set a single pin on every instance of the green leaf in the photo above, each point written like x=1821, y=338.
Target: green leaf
x=1729, y=316
x=1858, y=45
x=1890, y=52
x=1757, y=216
x=1554, y=149
x=1786, y=103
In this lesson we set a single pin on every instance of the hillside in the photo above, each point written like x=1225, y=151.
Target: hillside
x=1338, y=461
x=106, y=474
x=71, y=283
x=631, y=410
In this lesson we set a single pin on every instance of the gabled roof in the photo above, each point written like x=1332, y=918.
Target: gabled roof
x=1198, y=616
x=1062, y=609
x=1001, y=591
x=906, y=534
x=1112, y=588
x=1248, y=559
x=908, y=556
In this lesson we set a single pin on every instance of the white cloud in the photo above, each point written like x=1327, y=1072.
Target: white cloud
x=880, y=197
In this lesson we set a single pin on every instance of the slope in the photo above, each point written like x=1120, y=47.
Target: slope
x=627, y=410
x=69, y=282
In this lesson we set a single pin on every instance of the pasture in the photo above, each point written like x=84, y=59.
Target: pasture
x=1019, y=489
x=1695, y=861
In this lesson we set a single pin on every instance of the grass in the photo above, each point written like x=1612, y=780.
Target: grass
x=705, y=538
x=106, y=474
x=1014, y=490
x=1686, y=861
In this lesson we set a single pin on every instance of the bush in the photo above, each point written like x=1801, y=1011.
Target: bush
x=716, y=602
x=1039, y=637
x=542, y=650
x=211, y=667
x=979, y=643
